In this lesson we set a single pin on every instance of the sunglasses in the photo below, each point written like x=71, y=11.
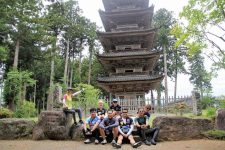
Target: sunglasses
x=141, y=111
x=148, y=108
x=125, y=112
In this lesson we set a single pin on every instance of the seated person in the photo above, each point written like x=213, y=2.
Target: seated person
x=125, y=128
x=141, y=122
x=116, y=107
x=67, y=104
x=93, y=131
x=109, y=125
x=101, y=112
x=147, y=110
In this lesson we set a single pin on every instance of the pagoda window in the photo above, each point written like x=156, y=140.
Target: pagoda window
x=128, y=47
x=126, y=71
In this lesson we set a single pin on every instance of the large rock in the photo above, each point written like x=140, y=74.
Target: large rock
x=12, y=128
x=181, y=128
x=54, y=125
x=220, y=119
x=77, y=133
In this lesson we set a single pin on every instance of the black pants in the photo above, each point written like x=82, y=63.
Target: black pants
x=73, y=111
x=149, y=133
x=94, y=134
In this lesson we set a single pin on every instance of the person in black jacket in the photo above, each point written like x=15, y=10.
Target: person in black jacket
x=116, y=108
x=109, y=125
x=144, y=130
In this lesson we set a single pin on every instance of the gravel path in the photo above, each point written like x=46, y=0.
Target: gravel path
x=72, y=145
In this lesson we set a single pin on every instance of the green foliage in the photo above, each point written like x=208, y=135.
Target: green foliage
x=14, y=85
x=215, y=134
x=204, y=28
x=26, y=110
x=211, y=112
x=88, y=98
x=5, y=113
x=200, y=78
x=207, y=102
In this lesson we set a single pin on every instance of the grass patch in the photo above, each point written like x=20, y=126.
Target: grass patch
x=215, y=134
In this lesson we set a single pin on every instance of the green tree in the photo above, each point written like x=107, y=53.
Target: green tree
x=205, y=29
x=14, y=91
x=172, y=62
x=199, y=77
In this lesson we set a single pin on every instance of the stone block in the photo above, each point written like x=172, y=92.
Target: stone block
x=220, y=119
x=181, y=128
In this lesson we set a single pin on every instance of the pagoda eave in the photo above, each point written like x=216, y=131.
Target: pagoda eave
x=126, y=84
x=112, y=5
x=143, y=37
x=142, y=18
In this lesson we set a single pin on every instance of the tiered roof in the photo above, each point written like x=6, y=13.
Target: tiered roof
x=117, y=5
x=114, y=21
x=128, y=43
x=111, y=39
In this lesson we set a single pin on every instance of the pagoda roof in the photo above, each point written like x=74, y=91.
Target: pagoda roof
x=134, y=83
x=142, y=18
x=114, y=5
x=129, y=78
x=111, y=39
x=143, y=53
x=143, y=58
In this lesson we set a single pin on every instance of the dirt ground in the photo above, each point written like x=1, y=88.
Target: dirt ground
x=72, y=145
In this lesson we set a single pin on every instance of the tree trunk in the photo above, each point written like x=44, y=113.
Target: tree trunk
x=50, y=95
x=66, y=63
x=175, y=85
x=16, y=57
x=71, y=73
x=165, y=74
x=152, y=99
x=90, y=62
x=158, y=99
x=80, y=65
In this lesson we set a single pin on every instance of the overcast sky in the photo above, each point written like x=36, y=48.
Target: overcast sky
x=90, y=10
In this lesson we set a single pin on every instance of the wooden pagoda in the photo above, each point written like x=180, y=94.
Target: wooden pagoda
x=128, y=55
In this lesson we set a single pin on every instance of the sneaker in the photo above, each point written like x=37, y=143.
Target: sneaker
x=116, y=145
x=87, y=141
x=81, y=122
x=75, y=123
x=96, y=141
x=104, y=142
x=153, y=142
x=147, y=142
x=137, y=144
x=113, y=141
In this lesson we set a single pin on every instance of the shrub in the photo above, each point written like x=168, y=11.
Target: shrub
x=210, y=112
x=215, y=134
x=26, y=110
x=5, y=113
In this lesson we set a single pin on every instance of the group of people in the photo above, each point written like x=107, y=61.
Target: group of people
x=118, y=126
x=114, y=123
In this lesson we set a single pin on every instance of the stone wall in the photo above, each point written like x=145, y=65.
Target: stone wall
x=12, y=128
x=220, y=119
x=181, y=128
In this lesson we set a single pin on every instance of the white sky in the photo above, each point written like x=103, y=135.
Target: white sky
x=90, y=10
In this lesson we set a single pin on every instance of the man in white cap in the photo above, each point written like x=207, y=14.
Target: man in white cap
x=116, y=108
